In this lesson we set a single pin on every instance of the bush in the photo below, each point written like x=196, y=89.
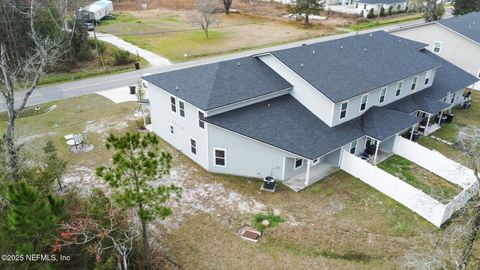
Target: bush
x=390, y=10
x=370, y=14
x=273, y=219
x=122, y=57
x=382, y=12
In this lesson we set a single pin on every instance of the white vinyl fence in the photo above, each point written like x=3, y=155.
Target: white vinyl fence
x=442, y=166
x=409, y=196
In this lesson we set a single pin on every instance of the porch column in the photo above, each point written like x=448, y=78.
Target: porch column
x=307, y=176
x=376, y=152
x=411, y=133
x=440, y=114
x=428, y=122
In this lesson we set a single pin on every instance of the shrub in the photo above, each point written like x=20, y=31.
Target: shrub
x=382, y=11
x=370, y=14
x=390, y=10
x=273, y=219
x=122, y=57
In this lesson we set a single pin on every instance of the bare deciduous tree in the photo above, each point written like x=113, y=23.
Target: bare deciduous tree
x=205, y=15
x=22, y=69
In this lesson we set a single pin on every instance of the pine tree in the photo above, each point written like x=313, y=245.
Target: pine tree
x=54, y=166
x=32, y=221
x=136, y=165
x=306, y=8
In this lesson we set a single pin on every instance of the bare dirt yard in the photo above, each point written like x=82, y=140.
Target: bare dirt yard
x=338, y=223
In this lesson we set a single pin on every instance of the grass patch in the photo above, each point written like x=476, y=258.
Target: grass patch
x=383, y=22
x=300, y=250
x=273, y=219
x=420, y=178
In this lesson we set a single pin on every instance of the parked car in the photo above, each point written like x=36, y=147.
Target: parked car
x=89, y=26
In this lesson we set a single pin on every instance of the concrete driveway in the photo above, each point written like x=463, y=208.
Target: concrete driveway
x=154, y=59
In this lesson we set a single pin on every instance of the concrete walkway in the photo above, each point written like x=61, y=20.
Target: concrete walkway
x=154, y=59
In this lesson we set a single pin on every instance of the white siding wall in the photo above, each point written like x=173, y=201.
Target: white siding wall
x=455, y=48
x=302, y=91
x=245, y=156
x=353, y=110
x=163, y=117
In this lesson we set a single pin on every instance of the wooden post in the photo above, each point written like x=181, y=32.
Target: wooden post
x=376, y=152
x=307, y=176
x=440, y=114
x=411, y=133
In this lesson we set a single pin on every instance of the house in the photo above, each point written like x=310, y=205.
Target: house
x=363, y=7
x=456, y=39
x=298, y=114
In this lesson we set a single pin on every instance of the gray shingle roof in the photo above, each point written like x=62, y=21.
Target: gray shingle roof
x=285, y=123
x=467, y=25
x=222, y=83
x=385, y=2
x=418, y=102
x=448, y=78
x=341, y=69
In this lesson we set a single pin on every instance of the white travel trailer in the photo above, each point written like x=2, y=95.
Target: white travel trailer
x=97, y=10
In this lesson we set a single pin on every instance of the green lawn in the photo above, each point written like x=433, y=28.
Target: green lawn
x=449, y=132
x=372, y=23
x=420, y=178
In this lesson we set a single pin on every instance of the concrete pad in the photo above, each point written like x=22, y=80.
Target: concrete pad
x=118, y=95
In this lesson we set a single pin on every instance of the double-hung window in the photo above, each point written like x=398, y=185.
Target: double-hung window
x=427, y=77
x=193, y=146
x=363, y=104
x=220, y=157
x=383, y=93
x=437, y=46
x=173, y=102
x=353, y=147
x=201, y=124
x=181, y=105
x=343, y=110
x=414, y=83
x=399, y=89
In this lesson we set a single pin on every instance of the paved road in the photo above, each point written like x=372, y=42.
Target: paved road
x=92, y=85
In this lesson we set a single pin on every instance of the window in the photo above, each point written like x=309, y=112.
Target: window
x=343, y=110
x=220, y=157
x=427, y=77
x=363, y=105
x=437, y=46
x=399, y=89
x=414, y=83
x=181, y=105
x=201, y=124
x=353, y=147
x=453, y=98
x=298, y=163
x=383, y=93
x=193, y=146
x=172, y=129
x=173, y=101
